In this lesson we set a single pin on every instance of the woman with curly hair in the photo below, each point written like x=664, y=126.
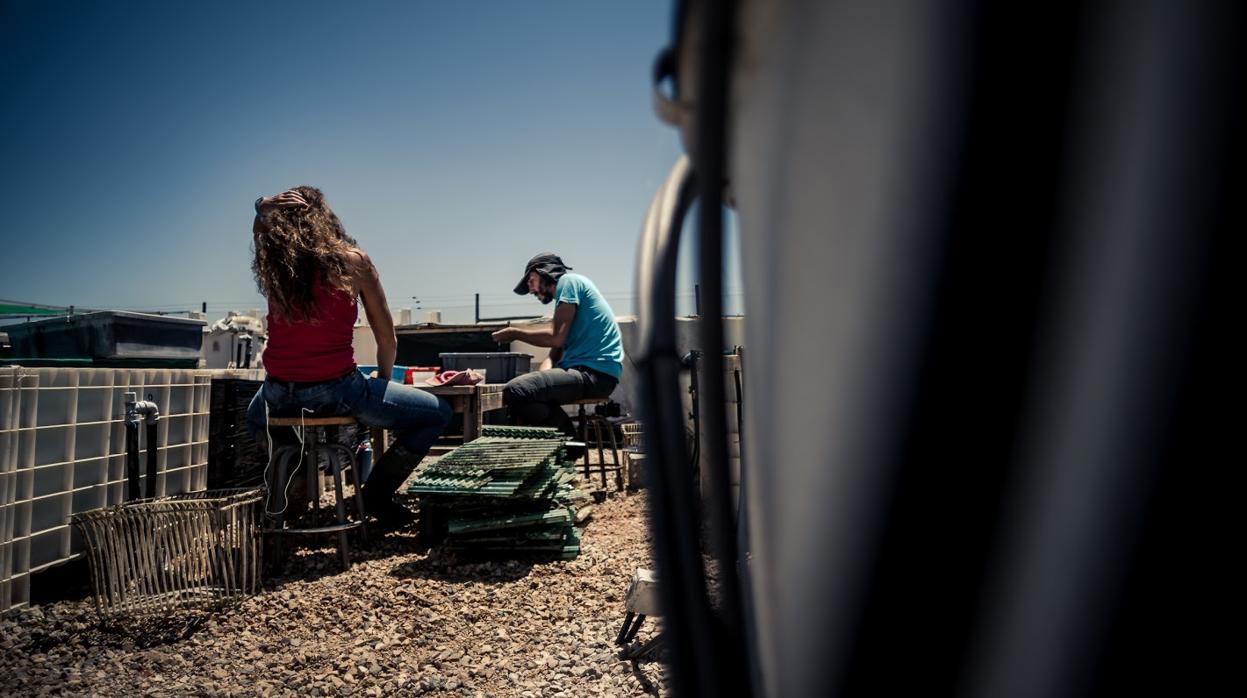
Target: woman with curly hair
x=314, y=275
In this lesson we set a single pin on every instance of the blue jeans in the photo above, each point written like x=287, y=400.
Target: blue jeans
x=535, y=398
x=416, y=417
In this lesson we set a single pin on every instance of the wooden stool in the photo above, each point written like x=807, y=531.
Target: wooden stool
x=315, y=443
x=598, y=422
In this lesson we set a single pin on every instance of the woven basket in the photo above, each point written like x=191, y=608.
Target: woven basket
x=632, y=433
x=187, y=551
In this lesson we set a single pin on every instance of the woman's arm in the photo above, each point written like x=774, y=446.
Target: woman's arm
x=267, y=204
x=377, y=310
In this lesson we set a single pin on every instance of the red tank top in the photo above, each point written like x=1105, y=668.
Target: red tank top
x=304, y=352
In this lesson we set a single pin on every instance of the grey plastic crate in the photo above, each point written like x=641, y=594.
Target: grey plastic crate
x=500, y=366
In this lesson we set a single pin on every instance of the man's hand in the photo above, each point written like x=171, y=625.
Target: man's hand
x=506, y=334
x=287, y=199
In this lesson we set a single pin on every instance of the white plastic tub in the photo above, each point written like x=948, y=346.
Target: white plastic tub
x=62, y=452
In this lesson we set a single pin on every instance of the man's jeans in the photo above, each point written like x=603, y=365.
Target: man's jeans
x=535, y=398
x=416, y=417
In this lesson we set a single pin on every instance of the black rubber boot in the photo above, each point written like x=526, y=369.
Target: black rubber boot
x=295, y=485
x=560, y=420
x=388, y=474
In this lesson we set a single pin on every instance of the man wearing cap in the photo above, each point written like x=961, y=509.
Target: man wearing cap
x=586, y=351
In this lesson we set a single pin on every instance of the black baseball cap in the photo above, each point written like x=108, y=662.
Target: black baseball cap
x=547, y=263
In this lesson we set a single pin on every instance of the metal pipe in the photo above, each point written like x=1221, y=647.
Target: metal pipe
x=150, y=413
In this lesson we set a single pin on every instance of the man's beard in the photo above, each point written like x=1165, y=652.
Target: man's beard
x=545, y=300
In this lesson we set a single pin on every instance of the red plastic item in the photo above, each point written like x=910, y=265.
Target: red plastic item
x=407, y=377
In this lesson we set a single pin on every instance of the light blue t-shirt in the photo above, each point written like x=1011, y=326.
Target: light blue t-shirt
x=593, y=340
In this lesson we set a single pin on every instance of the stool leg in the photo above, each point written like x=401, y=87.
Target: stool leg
x=610, y=429
x=275, y=502
x=311, y=438
x=623, y=632
x=635, y=628
x=584, y=439
x=348, y=457
x=339, y=505
x=277, y=492
x=653, y=644
x=597, y=436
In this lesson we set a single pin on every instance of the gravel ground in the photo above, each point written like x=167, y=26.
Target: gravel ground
x=403, y=621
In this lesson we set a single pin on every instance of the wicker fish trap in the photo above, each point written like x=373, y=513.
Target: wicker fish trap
x=187, y=551
x=632, y=433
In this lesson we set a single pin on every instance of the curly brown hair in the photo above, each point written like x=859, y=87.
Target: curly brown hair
x=292, y=247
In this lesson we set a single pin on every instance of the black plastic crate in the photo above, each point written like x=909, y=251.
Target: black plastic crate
x=234, y=457
x=109, y=335
x=500, y=366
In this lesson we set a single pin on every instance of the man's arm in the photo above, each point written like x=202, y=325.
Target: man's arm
x=553, y=338
x=556, y=355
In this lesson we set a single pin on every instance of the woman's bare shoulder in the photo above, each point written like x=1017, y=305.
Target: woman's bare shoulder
x=354, y=256
x=360, y=267
x=357, y=261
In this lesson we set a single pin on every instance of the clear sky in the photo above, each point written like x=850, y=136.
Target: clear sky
x=455, y=140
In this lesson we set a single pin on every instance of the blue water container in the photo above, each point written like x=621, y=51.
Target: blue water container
x=398, y=373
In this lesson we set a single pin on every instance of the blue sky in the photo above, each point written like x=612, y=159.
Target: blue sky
x=455, y=140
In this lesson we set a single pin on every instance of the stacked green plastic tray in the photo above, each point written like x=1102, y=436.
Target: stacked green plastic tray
x=509, y=493
x=512, y=432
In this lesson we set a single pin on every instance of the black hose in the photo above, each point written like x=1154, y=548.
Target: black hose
x=673, y=502
x=742, y=540
x=132, y=460
x=151, y=457
x=740, y=416
x=689, y=360
x=711, y=165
